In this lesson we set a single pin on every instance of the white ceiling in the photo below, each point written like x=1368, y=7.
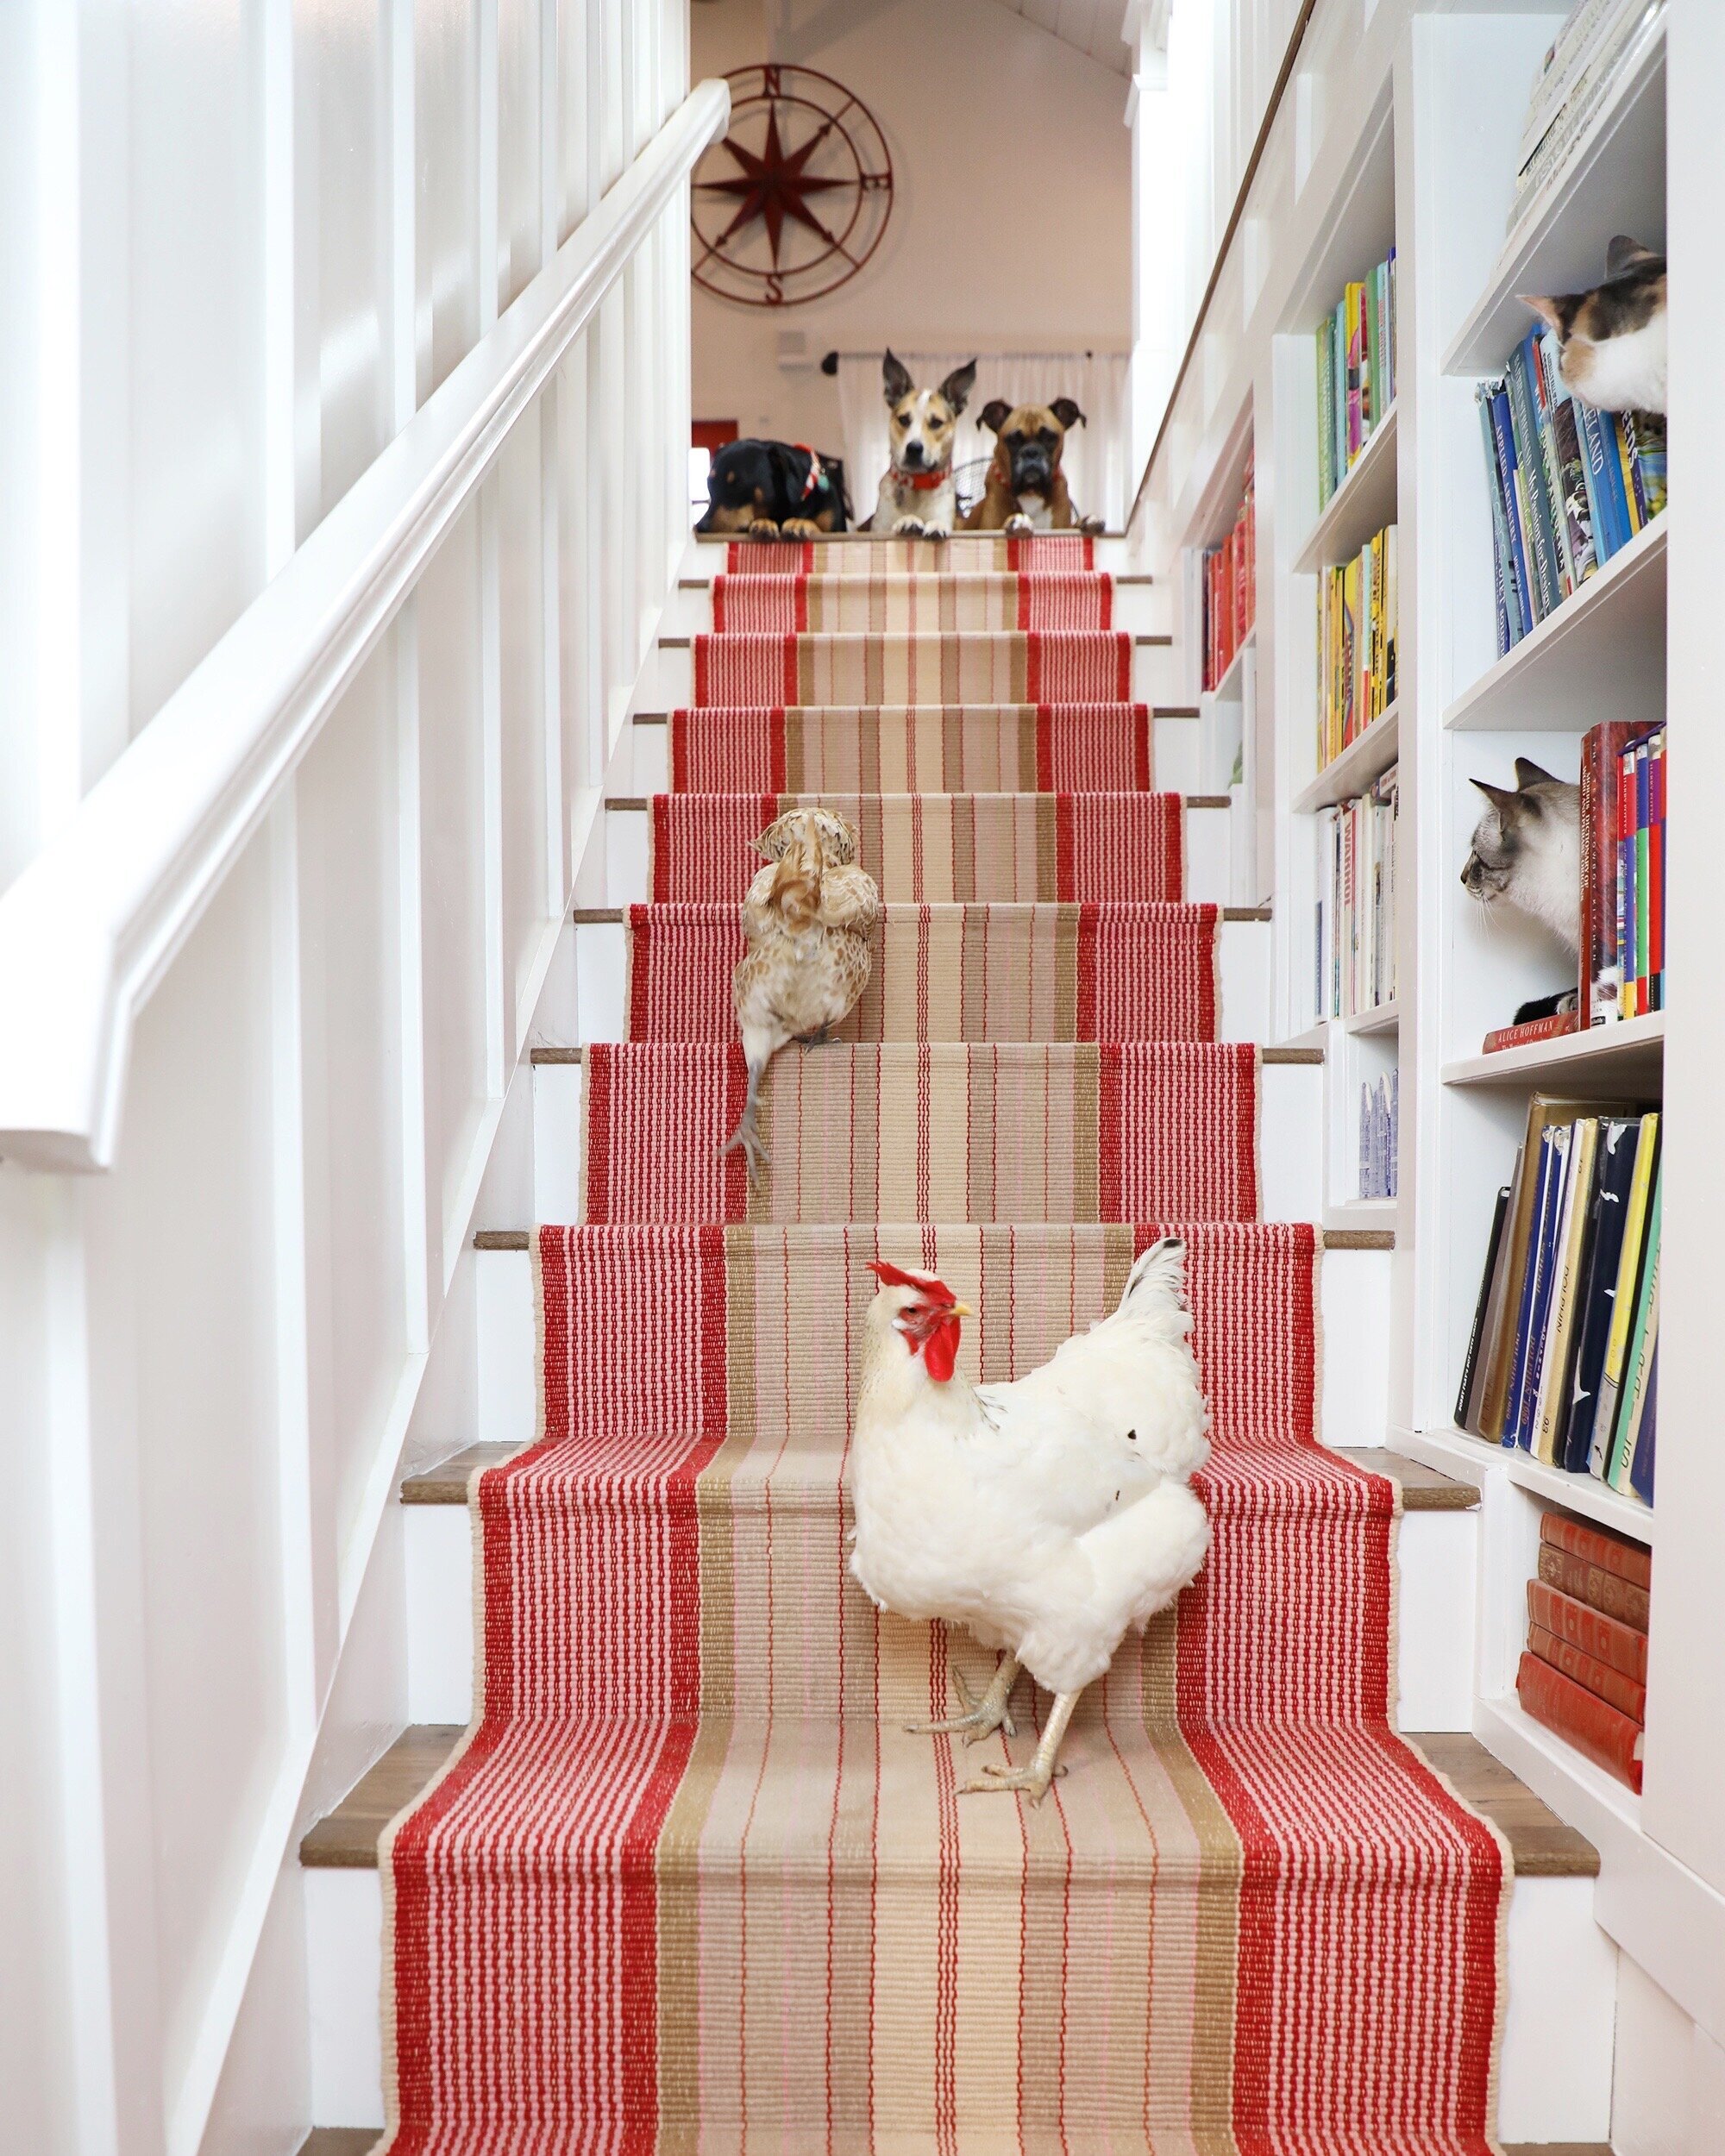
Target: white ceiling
x=1093, y=25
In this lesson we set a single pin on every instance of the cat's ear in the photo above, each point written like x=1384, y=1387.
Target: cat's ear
x=1550, y=311
x=1502, y=798
x=1528, y=773
x=1624, y=254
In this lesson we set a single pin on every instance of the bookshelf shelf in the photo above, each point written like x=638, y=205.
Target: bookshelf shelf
x=1366, y=757
x=1613, y=182
x=1362, y=505
x=1601, y=651
x=1602, y=1807
x=1227, y=689
x=1629, y=1053
x=1455, y=1451
x=1383, y=1017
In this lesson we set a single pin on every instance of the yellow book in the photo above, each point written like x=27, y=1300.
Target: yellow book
x=1552, y=1413
x=1623, y=1296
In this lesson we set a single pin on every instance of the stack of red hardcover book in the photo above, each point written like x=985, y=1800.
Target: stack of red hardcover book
x=1584, y=1673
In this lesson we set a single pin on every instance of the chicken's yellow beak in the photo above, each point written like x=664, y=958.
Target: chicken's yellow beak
x=961, y=1310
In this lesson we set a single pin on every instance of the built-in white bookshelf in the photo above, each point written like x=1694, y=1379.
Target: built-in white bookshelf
x=1432, y=172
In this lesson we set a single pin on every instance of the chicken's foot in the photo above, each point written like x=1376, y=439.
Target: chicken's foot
x=748, y=1132
x=823, y=1037
x=1034, y=1779
x=984, y=1713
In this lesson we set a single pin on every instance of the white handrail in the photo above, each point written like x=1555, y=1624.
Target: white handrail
x=92, y=925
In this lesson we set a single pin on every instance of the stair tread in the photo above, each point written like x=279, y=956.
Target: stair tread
x=359, y=2141
x=1540, y=1845
x=1423, y=1489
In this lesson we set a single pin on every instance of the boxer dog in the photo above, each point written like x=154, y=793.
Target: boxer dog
x=1026, y=488
x=917, y=497
x=772, y=490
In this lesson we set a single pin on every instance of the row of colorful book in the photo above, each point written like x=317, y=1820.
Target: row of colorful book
x=1622, y=885
x=1570, y=485
x=1379, y=1135
x=1230, y=588
x=1355, y=940
x=1356, y=643
x=1563, y=1360
x=1592, y=53
x=1356, y=372
x=1583, y=1672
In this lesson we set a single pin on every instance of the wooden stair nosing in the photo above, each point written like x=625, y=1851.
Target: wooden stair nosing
x=597, y=916
x=1540, y=1845
x=1160, y=642
x=639, y=804
x=359, y=2140
x=1335, y=1239
x=1423, y=1488
x=1157, y=711
x=1272, y=1058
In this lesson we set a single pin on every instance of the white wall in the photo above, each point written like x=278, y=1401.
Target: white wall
x=1011, y=225
x=242, y=243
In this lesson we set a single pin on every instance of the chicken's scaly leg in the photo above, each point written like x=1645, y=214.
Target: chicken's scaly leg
x=748, y=1132
x=1034, y=1779
x=982, y=1715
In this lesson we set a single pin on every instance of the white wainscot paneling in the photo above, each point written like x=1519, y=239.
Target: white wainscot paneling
x=530, y=825
x=357, y=1265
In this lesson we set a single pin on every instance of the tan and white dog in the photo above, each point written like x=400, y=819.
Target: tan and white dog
x=918, y=499
x=1026, y=488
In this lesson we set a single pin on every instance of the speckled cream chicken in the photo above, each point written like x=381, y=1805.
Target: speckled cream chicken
x=807, y=920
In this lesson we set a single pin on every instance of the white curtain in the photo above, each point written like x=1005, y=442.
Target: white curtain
x=1094, y=457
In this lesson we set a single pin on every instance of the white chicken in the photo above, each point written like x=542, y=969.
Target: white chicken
x=1047, y=1515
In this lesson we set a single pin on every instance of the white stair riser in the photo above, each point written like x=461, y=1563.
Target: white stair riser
x=1290, y=1170
x=667, y=681
x=1113, y=551
x=1208, y=857
x=1142, y=608
x=1435, y=1557
x=1175, y=746
x=1555, y=2081
x=1244, y=965
x=1353, y=1300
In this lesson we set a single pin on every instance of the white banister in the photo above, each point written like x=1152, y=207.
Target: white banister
x=89, y=929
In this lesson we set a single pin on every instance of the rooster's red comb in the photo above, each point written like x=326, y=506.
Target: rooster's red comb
x=891, y=1275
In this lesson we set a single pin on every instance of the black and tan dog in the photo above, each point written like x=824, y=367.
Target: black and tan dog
x=1026, y=488
x=772, y=490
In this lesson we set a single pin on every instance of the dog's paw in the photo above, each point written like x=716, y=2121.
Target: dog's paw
x=910, y=527
x=936, y=531
x=1090, y=526
x=1019, y=526
x=799, y=528
x=763, y=528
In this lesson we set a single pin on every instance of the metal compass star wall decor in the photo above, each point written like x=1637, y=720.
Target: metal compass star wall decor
x=794, y=200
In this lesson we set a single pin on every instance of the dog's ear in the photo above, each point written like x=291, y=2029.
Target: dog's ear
x=958, y=385
x=1065, y=409
x=995, y=414
x=895, y=377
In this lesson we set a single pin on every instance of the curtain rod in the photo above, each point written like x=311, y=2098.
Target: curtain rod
x=829, y=364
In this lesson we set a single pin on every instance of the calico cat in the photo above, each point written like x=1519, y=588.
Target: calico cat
x=1526, y=850
x=1612, y=339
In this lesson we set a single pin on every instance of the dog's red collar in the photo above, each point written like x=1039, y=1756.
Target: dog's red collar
x=919, y=482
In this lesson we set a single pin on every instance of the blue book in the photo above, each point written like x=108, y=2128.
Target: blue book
x=1616, y=1166
x=1505, y=436
x=1500, y=537
x=1530, y=462
x=1546, y=1174
x=1604, y=480
x=1641, y=1461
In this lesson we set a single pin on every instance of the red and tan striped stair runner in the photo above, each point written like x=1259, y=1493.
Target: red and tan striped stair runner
x=689, y=1886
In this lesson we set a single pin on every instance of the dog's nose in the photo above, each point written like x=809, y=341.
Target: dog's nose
x=913, y=453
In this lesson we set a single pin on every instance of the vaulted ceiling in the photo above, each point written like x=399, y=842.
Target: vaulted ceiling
x=1093, y=25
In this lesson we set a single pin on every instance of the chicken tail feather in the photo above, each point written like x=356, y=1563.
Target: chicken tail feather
x=1159, y=1275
